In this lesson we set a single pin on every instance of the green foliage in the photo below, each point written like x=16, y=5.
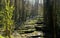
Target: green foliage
x=1, y=36
x=9, y=13
x=1, y=18
x=6, y=16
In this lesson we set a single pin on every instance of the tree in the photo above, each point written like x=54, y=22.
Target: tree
x=7, y=17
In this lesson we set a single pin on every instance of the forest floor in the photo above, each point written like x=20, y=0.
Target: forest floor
x=29, y=24
x=27, y=35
